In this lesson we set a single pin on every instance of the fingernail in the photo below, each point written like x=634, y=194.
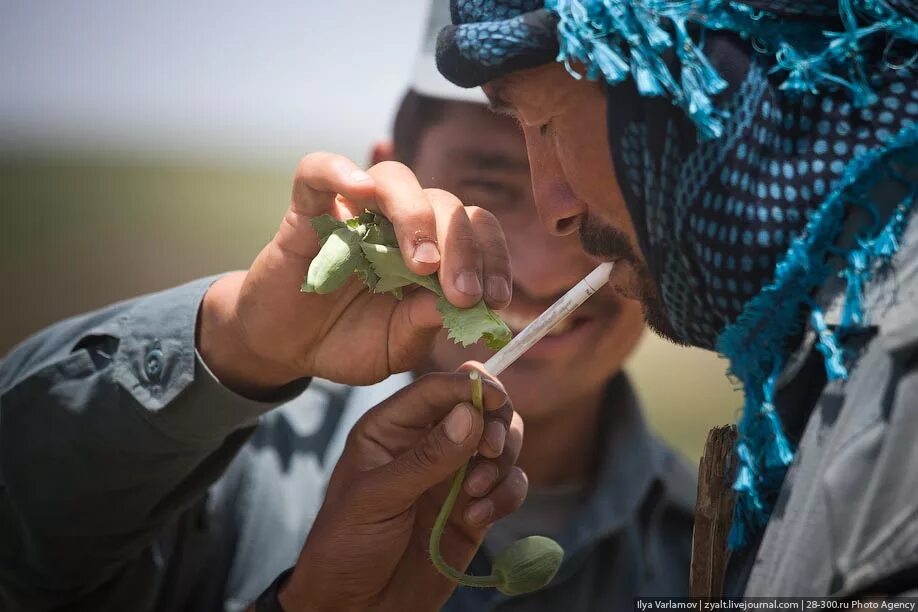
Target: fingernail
x=480, y=512
x=494, y=435
x=358, y=176
x=458, y=424
x=498, y=288
x=467, y=282
x=481, y=479
x=426, y=252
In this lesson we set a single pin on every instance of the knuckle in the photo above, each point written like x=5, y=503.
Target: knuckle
x=517, y=480
x=434, y=380
x=311, y=160
x=418, y=222
x=446, y=393
x=517, y=425
x=486, y=223
x=390, y=167
x=362, y=429
x=496, y=251
x=318, y=172
x=490, y=234
x=302, y=166
x=482, y=216
x=465, y=241
x=372, y=425
x=442, y=198
x=413, y=220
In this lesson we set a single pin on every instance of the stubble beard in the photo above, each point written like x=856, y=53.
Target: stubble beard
x=609, y=243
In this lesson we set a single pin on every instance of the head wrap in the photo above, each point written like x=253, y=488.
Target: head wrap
x=743, y=132
x=425, y=78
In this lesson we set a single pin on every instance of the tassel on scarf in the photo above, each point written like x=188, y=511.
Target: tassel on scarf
x=616, y=38
x=855, y=274
x=758, y=339
x=827, y=344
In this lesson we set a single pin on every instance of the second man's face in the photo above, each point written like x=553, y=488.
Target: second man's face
x=481, y=158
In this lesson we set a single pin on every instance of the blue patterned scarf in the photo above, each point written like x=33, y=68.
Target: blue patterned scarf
x=744, y=133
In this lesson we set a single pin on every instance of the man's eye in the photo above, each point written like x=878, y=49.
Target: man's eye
x=545, y=129
x=489, y=194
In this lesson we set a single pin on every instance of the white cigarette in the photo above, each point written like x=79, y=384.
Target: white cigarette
x=534, y=332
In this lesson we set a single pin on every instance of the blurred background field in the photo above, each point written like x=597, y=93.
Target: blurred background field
x=153, y=145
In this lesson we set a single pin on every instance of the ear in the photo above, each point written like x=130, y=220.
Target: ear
x=382, y=150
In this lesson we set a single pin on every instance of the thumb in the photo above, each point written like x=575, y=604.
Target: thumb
x=435, y=457
x=413, y=329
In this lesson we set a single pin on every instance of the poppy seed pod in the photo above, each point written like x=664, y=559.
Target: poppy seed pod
x=335, y=262
x=527, y=565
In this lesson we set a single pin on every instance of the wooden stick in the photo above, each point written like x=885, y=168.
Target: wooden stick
x=713, y=513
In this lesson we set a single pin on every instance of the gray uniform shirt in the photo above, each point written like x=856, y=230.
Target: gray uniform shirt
x=130, y=479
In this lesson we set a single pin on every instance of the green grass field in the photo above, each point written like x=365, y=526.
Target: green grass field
x=76, y=234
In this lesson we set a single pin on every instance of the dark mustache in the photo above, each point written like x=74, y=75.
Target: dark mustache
x=605, y=241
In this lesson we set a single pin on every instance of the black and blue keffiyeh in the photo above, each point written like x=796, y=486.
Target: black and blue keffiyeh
x=743, y=133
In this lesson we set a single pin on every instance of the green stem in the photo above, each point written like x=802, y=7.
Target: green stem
x=442, y=566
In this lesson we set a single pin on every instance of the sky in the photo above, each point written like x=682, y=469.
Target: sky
x=258, y=82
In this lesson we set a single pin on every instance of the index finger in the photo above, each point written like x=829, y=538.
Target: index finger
x=430, y=398
x=400, y=198
x=497, y=420
x=321, y=177
x=317, y=182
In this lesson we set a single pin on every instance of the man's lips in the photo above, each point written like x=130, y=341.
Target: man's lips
x=569, y=338
x=603, y=306
x=616, y=258
x=516, y=322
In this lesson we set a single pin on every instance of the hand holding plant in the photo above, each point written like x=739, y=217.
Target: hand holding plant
x=257, y=332
x=366, y=246
x=368, y=548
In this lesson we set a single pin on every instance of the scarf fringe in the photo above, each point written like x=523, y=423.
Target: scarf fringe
x=827, y=343
x=757, y=342
x=618, y=38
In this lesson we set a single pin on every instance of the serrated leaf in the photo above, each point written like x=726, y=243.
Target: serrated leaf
x=385, y=232
x=375, y=235
x=365, y=271
x=325, y=225
x=467, y=325
x=387, y=263
x=364, y=219
x=390, y=283
x=369, y=248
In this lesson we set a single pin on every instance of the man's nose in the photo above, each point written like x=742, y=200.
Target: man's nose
x=559, y=209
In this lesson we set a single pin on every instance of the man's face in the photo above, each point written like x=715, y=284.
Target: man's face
x=481, y=157
x=576, y=192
